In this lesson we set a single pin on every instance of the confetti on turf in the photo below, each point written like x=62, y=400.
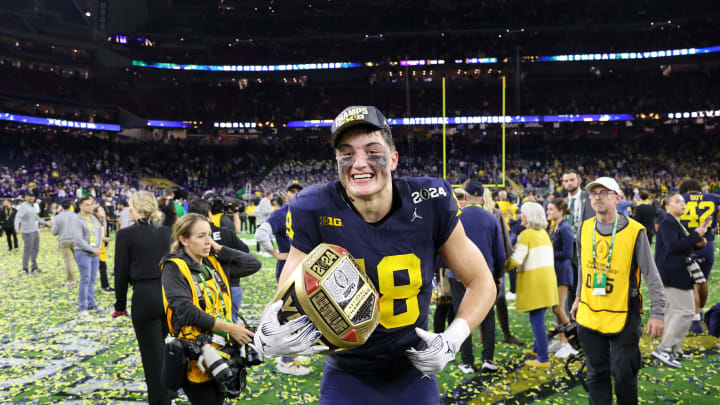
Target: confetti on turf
x=48, y=353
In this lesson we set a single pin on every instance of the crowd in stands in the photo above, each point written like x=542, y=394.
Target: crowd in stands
x=63, y=164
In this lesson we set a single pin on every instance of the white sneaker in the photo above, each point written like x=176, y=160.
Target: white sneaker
x=84, y=312
x=291, y=367
x=489, y=366
x=555, y=345
x=302, y=359
x=466, y=368
x=666, y=358
x=510, y=296
x=264, y=254
x=566, y=351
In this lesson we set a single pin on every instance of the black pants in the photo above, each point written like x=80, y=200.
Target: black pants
x=10, y=232
x=103, y=275
x=444, y=315
x=251, y=220
x=615, y=357
x=206, y=393
x=150, y=330
x=487, y=327
x=243, y=223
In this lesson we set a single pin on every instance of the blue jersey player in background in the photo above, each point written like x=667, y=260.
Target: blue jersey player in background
x=275, y=225
x=701, y=207
x=394, y=227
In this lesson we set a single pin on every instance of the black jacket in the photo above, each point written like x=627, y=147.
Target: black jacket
x=138, y=250
x=226, y=237
x=177, y=290
x=646, y=214
x=7, y=221
x=671, y=249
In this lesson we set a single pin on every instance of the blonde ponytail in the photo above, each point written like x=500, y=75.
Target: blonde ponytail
x=146, y=207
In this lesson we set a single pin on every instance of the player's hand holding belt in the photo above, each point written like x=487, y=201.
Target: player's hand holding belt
x=327, y=305
x=441, y=347
x=295, y=338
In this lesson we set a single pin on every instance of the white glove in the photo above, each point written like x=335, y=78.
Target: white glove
x=441, y=348
x=295, y=338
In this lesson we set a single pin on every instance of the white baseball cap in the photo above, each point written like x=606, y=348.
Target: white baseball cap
x=607, y=182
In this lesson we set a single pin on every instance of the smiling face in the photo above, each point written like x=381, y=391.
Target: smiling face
x=365, y=163
x=197, y=244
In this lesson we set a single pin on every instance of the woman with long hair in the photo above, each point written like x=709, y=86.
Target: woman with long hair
x=194, y=269
x=138, y=250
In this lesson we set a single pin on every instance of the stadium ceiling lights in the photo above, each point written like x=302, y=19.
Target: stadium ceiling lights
x=169, y=124
x=627, y=55
x=53, y=122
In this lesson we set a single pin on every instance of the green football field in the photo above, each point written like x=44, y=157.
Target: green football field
x=49, y=354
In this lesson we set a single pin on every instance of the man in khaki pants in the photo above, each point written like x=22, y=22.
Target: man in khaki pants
x=62, y=228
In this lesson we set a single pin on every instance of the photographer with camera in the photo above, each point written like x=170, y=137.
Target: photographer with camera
x=225, y=213
x=225, y=237
x=205, y=358
x=680, y=271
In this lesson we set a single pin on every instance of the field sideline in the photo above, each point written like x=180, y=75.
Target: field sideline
x=51, y=355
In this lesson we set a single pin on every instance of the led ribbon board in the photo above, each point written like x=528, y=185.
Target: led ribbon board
x=249, y=68
x=606, y=56
x=168, y=124
x=54, y=122
x=482, y=119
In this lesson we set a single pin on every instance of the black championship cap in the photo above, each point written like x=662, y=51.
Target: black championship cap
x=294, y=184
x=474, y=188
x=357, y=116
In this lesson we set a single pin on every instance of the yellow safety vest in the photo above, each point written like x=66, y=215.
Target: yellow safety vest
x=212, y=304
x=607, y=313
x=216, y=219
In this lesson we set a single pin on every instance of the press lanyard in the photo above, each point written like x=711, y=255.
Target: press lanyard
x=612, y=244
x=683, y=227
x=91, y=228
x=219, y=290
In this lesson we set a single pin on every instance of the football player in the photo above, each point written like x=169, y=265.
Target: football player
x=700, y=207
x=393, y=228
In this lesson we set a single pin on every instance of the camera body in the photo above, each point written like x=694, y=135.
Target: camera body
x=692, y=264
x=227, y=366
x=232, y=205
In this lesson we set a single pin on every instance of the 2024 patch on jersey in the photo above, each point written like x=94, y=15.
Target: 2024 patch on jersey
x=398, y=254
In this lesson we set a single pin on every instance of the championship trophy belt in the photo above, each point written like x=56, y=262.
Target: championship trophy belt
x=332, y=289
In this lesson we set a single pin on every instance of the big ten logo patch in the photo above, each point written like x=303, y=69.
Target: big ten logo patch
x=330, y=221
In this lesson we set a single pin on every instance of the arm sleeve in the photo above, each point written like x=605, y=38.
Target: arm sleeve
x=566, y=237
x=505, y=232
x=652, y=276
x=580, y=282
x=179, y=297
x=448, y=214
x=230, y=239
x=499, y=253
x=20, y=212
x=674, y=238
x=301, y=227
x=55, y=229
x=78, y=240
x=518, y=256
x=238, y=264
x=263, y=234
x=122, y=270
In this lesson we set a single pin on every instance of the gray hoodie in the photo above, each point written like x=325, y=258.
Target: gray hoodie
x=82, y=234
x=63, y=224
x=27, y=219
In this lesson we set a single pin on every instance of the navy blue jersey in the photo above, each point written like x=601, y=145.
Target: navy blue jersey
x=698, y=207
x=277, y=223
x=398, y=254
